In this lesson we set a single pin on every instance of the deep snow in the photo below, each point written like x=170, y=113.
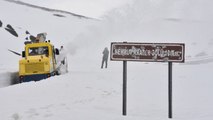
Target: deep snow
x=88, y=92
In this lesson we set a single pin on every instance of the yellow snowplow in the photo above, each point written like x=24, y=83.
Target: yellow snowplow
x=38, y=60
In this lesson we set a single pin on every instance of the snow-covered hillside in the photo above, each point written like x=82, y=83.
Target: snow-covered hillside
x=35, y=19
x=88, y=92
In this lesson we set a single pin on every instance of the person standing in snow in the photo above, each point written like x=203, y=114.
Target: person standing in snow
x=105, y=57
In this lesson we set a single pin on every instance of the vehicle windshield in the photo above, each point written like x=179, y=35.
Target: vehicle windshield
x=38, y=51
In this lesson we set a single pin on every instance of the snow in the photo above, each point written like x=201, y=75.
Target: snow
x=89, y=92
x=92, y=8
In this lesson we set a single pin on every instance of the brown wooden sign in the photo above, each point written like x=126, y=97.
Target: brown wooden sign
x=148, y=52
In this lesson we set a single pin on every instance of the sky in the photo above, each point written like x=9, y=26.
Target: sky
x=90, y=8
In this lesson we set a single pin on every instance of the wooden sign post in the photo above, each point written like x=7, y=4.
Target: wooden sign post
x=124, y=87
x=170, y=90
x=147, y=52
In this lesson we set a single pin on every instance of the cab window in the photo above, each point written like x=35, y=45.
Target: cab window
x=38, y=51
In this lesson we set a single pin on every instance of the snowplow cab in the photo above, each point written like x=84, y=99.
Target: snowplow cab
x=38, y=62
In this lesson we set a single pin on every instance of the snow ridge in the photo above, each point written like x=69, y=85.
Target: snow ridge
x=47, y=9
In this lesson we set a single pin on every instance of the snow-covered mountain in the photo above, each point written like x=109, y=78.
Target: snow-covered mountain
x=25, y=17
x=88, y=92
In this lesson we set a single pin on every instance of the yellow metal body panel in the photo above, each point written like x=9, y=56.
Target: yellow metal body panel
x=39, y=63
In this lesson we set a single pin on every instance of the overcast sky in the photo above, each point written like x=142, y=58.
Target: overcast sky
x=90, y=8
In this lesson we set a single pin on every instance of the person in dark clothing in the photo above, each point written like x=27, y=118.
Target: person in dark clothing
x=105, y=57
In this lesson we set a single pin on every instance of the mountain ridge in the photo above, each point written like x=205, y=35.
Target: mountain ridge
x=48, y=9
